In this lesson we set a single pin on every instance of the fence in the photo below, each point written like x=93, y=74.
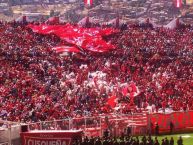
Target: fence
x=5, y=143
x=10, y=135
x=117, y=124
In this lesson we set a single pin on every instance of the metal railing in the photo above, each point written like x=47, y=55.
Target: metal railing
x=94, y=126
x=5, y=143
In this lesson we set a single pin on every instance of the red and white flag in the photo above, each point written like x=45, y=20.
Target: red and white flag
x=88, y=2
x=178, y=3
x=132, y=89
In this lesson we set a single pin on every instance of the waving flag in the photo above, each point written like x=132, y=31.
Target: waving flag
x=132, y=89
x=112, y=101
x=88, y=2
x=178, y=3
x=88, y=39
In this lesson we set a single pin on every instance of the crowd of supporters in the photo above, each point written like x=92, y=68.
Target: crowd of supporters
x=38, y=84
x=129, y=140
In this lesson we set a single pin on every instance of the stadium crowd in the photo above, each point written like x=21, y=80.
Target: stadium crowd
x=38, y=84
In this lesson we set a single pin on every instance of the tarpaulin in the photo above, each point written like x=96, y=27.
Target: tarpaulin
x=181, y=120
x=89, y=39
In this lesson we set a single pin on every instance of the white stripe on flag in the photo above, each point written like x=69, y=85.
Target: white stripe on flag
x=88, y=2
x=178, y=3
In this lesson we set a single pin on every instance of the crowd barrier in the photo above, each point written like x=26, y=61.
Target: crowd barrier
x=95, y=126
x=10, y=135
x=141, y=123
x=5, y=143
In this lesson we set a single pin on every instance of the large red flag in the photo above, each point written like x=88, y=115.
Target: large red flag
x=88, y=39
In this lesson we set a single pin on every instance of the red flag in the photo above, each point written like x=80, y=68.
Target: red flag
x=112, y=101
x=125, y=91
x=88, y=2
x=88, y=39
x=132, y=89
x=178, y=3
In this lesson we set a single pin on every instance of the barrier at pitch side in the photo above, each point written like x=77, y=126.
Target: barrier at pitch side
x=9, y=133
x=95, y=126
x=50, y=137
x=182, y=121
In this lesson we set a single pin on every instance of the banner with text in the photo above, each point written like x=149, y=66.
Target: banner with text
x=50, y=137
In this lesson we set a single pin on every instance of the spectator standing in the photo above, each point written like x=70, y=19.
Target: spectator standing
x=180, y=141
x=163, y=142
x=171, y=127
x=156, y=129
x=166, y=141
x=106, y=133
x=171, y=141
x=98, y=141
x=156, y=142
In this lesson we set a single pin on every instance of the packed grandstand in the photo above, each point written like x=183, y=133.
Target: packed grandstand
x=37, y=83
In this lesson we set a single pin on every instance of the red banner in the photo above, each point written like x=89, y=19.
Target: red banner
x=89, y=39
x=181, y=120
x=50, y=137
